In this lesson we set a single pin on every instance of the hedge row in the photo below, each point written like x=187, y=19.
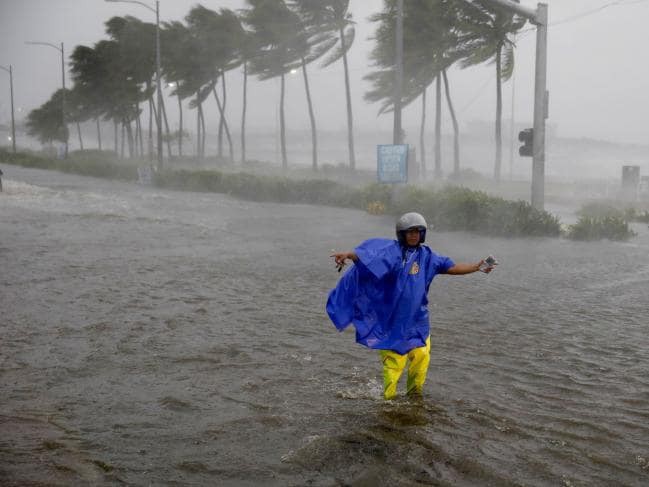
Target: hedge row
x=452, y=208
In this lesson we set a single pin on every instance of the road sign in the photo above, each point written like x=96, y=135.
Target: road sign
x=392, y=163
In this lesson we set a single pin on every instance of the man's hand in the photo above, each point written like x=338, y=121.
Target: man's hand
x=340, y=258
x=484, y=267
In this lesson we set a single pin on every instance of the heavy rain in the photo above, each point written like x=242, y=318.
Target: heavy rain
x=175, y=178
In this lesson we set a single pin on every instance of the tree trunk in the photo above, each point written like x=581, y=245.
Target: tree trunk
x=314, y=133
x=422, y=130
x=180, y=129
x=155, y=117
x=197, y=151
x=456, y=129
x=499, y=110
x=121, y=156
x=150, y=140
x=438, y=128
x=282, y=124
x=203, y=139
x=198, y=129
x=164, y=116
x=350, y=122
x=116, y=138
x=79, y=133
x=129, y=133
x=138, y=133
x=139, y=130
x=243, y=113
x=98, y=133
x=225, y=123
x=222, y=114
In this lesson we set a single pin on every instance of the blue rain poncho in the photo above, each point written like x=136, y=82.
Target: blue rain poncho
x=384, y=295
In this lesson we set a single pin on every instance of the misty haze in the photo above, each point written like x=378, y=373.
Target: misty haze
x=176, y=176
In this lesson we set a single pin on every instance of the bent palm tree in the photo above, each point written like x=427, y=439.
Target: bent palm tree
x=331, y=29
x=487, y=36
x=281, y=46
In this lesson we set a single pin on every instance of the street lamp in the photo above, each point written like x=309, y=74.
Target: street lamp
x=538, y=17
x=397, y=134
x=13, y=124
x=61, y=50
x=156, y=10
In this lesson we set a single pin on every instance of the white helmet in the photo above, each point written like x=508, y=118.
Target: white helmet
x=408, y=221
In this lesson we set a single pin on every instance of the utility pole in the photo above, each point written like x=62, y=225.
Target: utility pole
x=11, y=91
x=540, y=107
x=159, y=87
x=398, y=74
x=538, y=17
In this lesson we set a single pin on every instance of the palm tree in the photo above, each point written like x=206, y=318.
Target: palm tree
x=487, y=36
x=247, y=50
x=173, y=56
x=46, y=121
x=219, y=35
x=431, y=45
x=331, y=29
x=78, y=108
x=281, y=43
x=103, y=71
x=136, y=50
x=87, y=74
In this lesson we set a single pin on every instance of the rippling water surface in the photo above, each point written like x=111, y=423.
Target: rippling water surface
x=153, y=337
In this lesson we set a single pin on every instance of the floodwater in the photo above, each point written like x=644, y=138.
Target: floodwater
x=152, y=337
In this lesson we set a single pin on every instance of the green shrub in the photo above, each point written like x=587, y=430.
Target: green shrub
x=597, y=228
x=633, y=215
x=599, y=210
x=457, y=208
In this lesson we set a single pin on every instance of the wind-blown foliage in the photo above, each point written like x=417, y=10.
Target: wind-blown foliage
x=431, y=45
x=46, y=122
x=330, y=29
x=487, y=36
x=281, y=45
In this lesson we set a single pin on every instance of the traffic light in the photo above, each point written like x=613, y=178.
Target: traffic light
x=526, y=137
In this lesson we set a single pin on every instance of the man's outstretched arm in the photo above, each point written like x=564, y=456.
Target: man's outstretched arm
x=465, y=268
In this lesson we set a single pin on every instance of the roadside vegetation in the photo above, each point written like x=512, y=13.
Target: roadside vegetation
x=86, y=163
x=451, y=208
x=605, y=221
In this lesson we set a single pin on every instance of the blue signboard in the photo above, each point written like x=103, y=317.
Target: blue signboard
x=392, y=163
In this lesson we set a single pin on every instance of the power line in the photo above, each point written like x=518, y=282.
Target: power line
x=619, y=3
x=616, y=3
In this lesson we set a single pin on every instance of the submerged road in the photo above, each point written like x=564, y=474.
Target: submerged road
x=152, y=337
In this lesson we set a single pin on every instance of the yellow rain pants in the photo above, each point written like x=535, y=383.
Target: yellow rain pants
x=394, y=364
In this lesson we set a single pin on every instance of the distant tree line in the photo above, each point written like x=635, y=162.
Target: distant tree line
x=114, y=80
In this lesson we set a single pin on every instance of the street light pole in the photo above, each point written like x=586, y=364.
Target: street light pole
x=539, y=17
x=157, y=74
x=540, y=108
x=155, y=10
x=398, y=74
x=13, y=123
x=62, y=51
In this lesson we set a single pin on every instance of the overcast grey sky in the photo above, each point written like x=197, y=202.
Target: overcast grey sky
x=598, y=79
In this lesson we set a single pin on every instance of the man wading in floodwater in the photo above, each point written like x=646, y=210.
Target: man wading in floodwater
x=384, y=295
